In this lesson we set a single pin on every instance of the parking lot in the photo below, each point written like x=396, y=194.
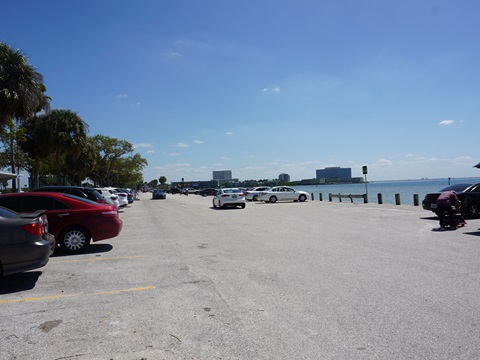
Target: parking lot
x=313, y=280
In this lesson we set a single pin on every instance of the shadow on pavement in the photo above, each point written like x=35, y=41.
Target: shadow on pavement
x=19, y=282
x=92, y=249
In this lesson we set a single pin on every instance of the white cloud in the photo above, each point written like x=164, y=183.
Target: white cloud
x=150, y=152
x=229, y=133
x=225, y=158
x=174, y=154
x=172, y=55
x=198, y=142
x=181, y=145
x=121, y=96
x=142, y=145
x=446, y=122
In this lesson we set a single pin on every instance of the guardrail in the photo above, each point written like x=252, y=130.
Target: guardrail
x=331, y=196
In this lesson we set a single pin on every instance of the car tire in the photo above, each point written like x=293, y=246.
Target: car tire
x=214, y=206
x=302, y=198
x=472, y=211
x=255, y=198
x=273, y=199
x=204, y=195
x=243, y=206
x=75, y=239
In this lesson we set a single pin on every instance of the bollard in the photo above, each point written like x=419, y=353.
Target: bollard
x=330, y=197
x=365, y=198
x=415, y=200
x=380, y=199
x=320, y=196
x=313, y=197
x=339, y=197
x=397, y=199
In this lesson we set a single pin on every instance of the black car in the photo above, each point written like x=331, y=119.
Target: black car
x=25, y=243
x=468, y=195
x=206, y=192
x=80, y=191
x=159, y=194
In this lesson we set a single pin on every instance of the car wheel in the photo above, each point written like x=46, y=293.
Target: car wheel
x=302, y=198
x=255, y=198
x=472, y=210
x=214, y=205
x=273, y=199
x=204, y=194
x=75, y=239
x=242, y=206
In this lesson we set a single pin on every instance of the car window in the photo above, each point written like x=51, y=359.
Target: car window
x=33, y=203
x=456, y=187
x=11, y=202
x=86, y=201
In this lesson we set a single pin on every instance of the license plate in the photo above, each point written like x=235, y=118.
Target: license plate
x=433, y=206
x=234, y=196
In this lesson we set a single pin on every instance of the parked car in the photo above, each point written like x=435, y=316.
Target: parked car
x=282, y=193
x=80, y=191
x=159, y=194
x=468, y=195
x=229, y=197
x=25, y=242
x=111, y=199
x=174, y=191
x=252, y=195
x=122, y=196
x=129, y=193
x=74, y=221
x=207, y=192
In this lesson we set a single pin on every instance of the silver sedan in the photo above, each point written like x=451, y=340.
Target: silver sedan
x=282, y=193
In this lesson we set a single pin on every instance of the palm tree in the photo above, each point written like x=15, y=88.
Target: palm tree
x=22, y=92
x=67, y=135
x=35, y=143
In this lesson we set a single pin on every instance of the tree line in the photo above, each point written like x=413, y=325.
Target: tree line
x=53, y=146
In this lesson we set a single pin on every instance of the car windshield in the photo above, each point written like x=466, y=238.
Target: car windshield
x=456, y=187
x=232, y=191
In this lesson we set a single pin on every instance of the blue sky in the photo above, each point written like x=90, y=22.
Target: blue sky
x=263, y=87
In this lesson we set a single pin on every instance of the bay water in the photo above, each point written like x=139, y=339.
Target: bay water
x=405, y=188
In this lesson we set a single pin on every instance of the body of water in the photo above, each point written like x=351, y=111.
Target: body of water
x=388, y=189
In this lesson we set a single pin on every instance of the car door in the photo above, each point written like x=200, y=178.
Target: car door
x=289, y=194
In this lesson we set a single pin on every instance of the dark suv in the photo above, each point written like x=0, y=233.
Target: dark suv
x=80, y=191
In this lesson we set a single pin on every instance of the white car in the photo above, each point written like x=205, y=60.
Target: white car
x=229, y=197
x=252, y=195
x=110, y=198
x=282, y=193
x=122, y=196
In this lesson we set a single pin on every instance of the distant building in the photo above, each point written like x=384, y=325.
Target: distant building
x=336, y=175
x=222, y=175
x=284, y=177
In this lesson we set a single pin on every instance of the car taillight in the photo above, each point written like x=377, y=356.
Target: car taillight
x=247, y=192
x=241, y=195
x=37, y=229
x=225, y=195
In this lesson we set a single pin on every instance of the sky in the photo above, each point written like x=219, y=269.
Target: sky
x=264, y=87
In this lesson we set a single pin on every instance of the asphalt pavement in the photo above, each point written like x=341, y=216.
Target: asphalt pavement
x=313, y=280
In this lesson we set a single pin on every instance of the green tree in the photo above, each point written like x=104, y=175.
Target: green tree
x=67, y=134
x=22, y=92
x=162, y=180
x=36, y=144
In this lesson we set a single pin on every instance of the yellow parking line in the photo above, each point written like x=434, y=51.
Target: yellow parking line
x=73, y=295
x=54, y=261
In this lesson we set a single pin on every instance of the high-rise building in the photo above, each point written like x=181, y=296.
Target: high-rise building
x=284, y=177
x=334, y=173
x=222, y=175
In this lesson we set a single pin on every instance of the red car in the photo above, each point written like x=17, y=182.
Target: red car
x=73, y=221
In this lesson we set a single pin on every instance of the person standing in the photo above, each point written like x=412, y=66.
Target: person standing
x=446, y=203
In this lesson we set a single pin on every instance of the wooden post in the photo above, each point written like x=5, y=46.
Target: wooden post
x=397, y=199
x=380, y=199
x=313, y=198
x=320, y=196
x=330, y=197
x=365, y=198
x=415, y=200
x=339, y=197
